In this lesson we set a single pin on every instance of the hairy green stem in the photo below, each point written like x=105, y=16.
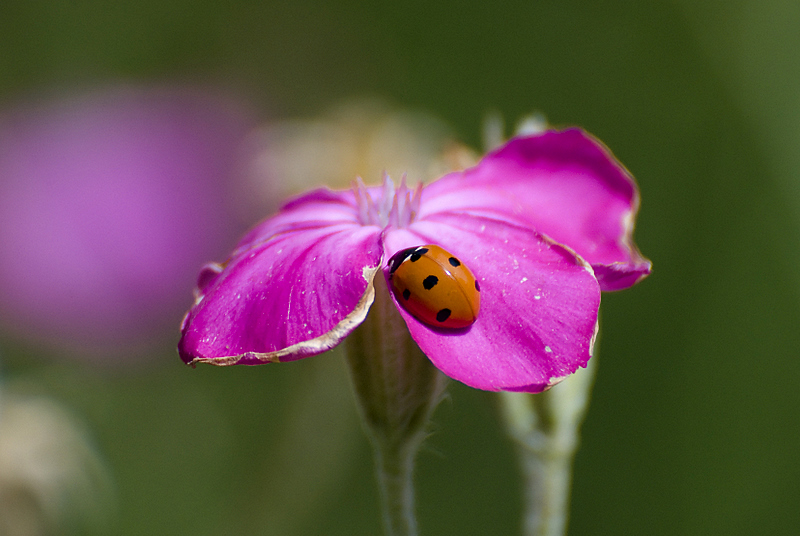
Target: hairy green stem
x=545, y=428
x=395, y=468
x=397, y=388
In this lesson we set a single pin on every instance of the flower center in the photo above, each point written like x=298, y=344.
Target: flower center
x=386, y=205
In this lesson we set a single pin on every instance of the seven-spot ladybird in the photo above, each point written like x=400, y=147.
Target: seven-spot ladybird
x=435, y=287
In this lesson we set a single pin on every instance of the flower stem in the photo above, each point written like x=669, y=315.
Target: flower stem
x=547, y=493
x=397, y=388
x=395, y=468
x=545, y=429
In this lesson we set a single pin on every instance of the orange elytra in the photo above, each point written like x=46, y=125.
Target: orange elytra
x=435, y=286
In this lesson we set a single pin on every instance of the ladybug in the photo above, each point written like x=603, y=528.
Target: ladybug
x=435, y=287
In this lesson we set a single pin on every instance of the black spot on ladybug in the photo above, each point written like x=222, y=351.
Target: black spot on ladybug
x=443, y=315
x=430, y=282
x=455, y=263
x=406, y=294
x=414, y=255
x=398, y=259
x=477, y=286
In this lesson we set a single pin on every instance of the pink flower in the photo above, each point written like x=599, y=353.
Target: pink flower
x=108, y=202
x=544, y=223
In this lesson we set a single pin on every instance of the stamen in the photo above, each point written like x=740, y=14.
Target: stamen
x=394, y=218
x=386, y=200
x=362, y=200
x=386, y=205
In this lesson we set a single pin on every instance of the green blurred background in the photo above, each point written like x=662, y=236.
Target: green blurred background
x=694, y=425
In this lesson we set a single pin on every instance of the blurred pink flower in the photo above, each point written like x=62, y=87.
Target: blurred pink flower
x=108, y=202
x=545, y=223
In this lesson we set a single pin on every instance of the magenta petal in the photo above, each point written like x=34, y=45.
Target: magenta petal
x=566, y=185
x=313, y=209
x=296, y=294
x=539, y=304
